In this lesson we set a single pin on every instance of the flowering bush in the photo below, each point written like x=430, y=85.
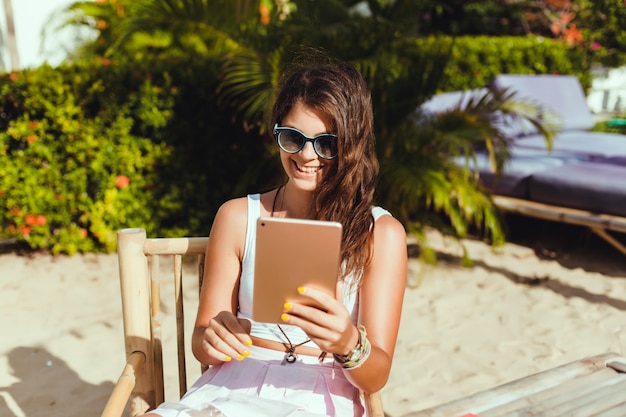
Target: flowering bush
x=89, y=148
x=65, y=177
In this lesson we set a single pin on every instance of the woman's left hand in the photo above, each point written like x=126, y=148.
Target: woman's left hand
x=332, y=330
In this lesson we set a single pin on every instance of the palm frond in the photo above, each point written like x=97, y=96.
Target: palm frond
x=247, y=84
x=213, y=22
x=424, y=176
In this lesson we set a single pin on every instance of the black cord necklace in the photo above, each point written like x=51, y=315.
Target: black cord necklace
x=276, y=198
x=290, y=355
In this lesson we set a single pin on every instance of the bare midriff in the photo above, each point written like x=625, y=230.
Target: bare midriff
x=283, y=347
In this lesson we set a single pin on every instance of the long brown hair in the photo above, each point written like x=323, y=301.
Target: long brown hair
x=346, y=194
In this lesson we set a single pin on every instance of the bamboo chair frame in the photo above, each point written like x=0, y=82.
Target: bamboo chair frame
x=140, y=387
x=592, y=386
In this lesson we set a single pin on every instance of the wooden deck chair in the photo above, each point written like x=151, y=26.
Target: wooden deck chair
x=600, y=224
x=141, y=386
x=594, y=386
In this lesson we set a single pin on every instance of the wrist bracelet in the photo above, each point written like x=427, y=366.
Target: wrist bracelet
x=358, y=355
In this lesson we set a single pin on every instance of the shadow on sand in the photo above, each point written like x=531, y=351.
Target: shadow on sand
x=571, y=246
x=48, y=387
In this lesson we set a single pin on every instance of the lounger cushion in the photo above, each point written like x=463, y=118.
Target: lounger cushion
x=513, y=181
x=593, y=186
x=594, y=144
x=615, y=160
x=515, y=176
x=560, y=96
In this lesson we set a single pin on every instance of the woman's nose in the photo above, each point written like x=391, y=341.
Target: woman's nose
x=308, y=152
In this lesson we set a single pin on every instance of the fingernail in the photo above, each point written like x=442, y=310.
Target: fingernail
x=284, y=317
x=301, y=290
x=246, y=352
x=227, y=358
x=248, y=342
x=287, y=306
x=240, y=357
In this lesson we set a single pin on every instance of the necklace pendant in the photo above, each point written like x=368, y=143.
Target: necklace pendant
x=290, y=357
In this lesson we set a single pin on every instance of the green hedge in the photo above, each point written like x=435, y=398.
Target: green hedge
x=476, y=60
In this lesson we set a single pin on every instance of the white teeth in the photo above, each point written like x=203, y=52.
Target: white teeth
x=308, y=170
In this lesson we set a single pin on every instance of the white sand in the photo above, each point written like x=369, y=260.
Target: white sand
x=463, y=329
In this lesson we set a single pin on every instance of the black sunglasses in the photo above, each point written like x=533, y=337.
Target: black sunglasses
x=292, y=140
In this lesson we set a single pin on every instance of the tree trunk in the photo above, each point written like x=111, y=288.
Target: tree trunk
x=11, y=39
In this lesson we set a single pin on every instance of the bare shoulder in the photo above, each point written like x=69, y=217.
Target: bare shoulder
x=388, y=230
x=231, y=219
x=235, y=208
x=389, y=244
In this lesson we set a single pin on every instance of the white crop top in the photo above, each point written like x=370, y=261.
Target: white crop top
x=246, y=284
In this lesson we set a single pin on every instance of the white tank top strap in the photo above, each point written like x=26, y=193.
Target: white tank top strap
x=377, y=212
x=254, y=212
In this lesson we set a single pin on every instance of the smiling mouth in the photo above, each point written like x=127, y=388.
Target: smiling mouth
x=308, y=170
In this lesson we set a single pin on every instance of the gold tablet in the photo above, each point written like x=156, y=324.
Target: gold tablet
x=291, y=253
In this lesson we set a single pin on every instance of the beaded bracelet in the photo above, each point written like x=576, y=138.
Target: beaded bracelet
x=358, y=355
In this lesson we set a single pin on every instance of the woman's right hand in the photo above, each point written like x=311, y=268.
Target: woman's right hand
x=225, y=338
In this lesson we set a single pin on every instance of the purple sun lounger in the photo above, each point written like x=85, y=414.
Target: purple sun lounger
x=582, y=180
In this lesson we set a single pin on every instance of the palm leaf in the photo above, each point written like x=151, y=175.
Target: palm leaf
x=247, y=84
x=213, y=22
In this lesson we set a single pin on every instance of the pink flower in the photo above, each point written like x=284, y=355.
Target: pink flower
x=40, y=220
x=595, y=45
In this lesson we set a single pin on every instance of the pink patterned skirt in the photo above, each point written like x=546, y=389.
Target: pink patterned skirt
x=262, y=386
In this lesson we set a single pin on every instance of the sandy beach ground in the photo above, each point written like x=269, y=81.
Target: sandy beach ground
x=552, y=295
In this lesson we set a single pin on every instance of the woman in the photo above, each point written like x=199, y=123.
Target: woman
x=315, y=363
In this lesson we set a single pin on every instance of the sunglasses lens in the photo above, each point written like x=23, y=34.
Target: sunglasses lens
x=290, y=141
x=326, y=146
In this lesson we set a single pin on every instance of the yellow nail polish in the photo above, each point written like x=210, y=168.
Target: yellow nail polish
x=227, y=358
x=284, y=317
x=240, y=357
x=287, y=306
x=248, y=342
x=246, y=352
x=301, y=290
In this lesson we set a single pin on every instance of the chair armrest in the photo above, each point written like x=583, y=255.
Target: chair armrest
x=124, y=386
